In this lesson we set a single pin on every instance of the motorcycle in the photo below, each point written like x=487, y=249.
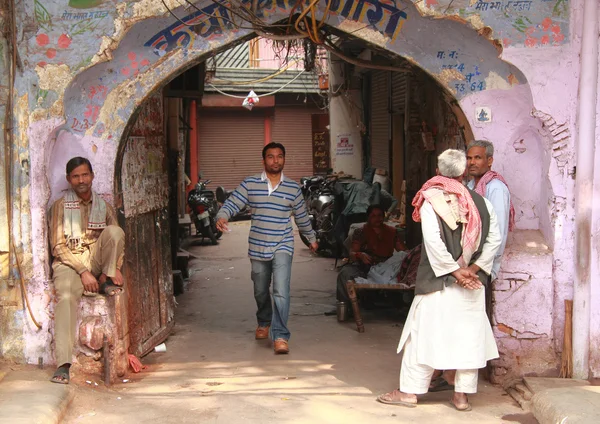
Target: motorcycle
x=333, y=205
x=204, y=208
x=223, y=195
x=319, y=197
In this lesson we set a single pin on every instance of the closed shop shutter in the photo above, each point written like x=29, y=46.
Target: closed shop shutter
x=230, y=146
x=380, y=136
x=399, y=84
x=292, y=127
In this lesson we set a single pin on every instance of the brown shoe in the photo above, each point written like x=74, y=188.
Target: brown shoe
x=281, y=346
x=262, y=333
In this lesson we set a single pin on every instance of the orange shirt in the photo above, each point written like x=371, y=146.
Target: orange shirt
x=379, y=246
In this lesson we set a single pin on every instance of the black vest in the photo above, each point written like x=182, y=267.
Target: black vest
x=427, y=282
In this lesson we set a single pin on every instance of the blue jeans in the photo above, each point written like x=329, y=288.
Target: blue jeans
x=280, y=267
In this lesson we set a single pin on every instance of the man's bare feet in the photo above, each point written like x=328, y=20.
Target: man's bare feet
x=461, y=401
x=397, y=397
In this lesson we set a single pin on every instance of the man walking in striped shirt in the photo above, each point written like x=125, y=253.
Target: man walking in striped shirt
x=273, y=199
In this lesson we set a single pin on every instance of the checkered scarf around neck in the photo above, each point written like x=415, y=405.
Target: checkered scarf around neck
x=453, y=203
x=72, y=218
x=480, y=189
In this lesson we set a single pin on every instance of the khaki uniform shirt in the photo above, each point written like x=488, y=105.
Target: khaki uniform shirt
x=78, y=258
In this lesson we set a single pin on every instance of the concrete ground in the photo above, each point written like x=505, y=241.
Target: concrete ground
x=26, y=396
x=215, y=372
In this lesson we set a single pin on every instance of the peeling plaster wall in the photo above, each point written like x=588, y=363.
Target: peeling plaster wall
x=595, y=271
x=84, y=76
x=9, y=300
x=553, y=75
x=525, y=339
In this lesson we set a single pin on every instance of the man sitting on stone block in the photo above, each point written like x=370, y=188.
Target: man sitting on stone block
x=88, y=247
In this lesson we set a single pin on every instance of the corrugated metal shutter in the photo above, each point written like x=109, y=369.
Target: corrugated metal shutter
x=292, y=127
x=230, y=146
x=399, y=82
x=380, y=137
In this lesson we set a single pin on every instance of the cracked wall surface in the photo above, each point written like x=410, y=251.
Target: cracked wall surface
x=83, y=76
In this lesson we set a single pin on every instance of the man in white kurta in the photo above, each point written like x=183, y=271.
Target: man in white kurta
x=491, y=185
x=448, y=328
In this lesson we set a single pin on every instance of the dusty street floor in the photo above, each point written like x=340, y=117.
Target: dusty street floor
x=215, y=372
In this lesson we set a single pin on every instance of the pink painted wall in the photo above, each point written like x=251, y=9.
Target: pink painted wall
x=271, y=56
x=538, y=268
x=49, y=154
x=595, y=234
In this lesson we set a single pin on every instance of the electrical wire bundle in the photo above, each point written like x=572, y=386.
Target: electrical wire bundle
x=299, y=31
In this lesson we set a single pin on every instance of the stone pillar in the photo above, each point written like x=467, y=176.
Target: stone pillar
x=345, y=121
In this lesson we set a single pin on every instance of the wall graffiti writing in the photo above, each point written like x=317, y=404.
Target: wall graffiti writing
x=213, y=20
x=520, y=5
x=98, y=14
x=473, y=79
x=384, y=16
x=208, y=22
x=529, y=23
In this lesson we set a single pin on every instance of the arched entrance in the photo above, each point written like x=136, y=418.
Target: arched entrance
x=101, y=102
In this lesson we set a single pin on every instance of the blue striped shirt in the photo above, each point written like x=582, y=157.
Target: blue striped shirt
x=271, y=229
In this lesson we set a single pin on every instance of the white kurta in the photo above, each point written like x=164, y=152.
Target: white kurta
x=450, y=327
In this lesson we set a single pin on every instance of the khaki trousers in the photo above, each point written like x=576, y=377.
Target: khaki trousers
x=101, y=258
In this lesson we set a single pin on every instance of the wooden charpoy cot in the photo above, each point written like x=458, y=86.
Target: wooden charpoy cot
x=352, y=287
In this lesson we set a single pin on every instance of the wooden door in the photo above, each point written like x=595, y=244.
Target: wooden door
x=142, y=199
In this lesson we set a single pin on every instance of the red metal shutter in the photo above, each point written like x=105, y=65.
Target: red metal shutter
x=292, y=127
x=380, y=137
x=230, y=145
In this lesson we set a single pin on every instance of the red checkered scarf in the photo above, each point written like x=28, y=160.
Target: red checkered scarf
x=433, y=191
x=480, y=189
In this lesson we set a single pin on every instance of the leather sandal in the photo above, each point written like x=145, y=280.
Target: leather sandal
x=61, y=375
x=109, y=288
x=388, y=399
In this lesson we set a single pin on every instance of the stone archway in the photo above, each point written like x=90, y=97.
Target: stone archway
x=100, y=101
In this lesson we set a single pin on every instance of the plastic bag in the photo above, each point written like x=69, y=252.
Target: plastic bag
x=250, y=100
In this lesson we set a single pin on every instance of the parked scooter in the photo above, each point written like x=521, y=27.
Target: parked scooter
x=223, y=195
x=204, y=208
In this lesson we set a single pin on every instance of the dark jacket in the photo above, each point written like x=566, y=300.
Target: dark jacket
x=427, y=282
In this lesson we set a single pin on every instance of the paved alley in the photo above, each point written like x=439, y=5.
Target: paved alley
x=215, y=372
